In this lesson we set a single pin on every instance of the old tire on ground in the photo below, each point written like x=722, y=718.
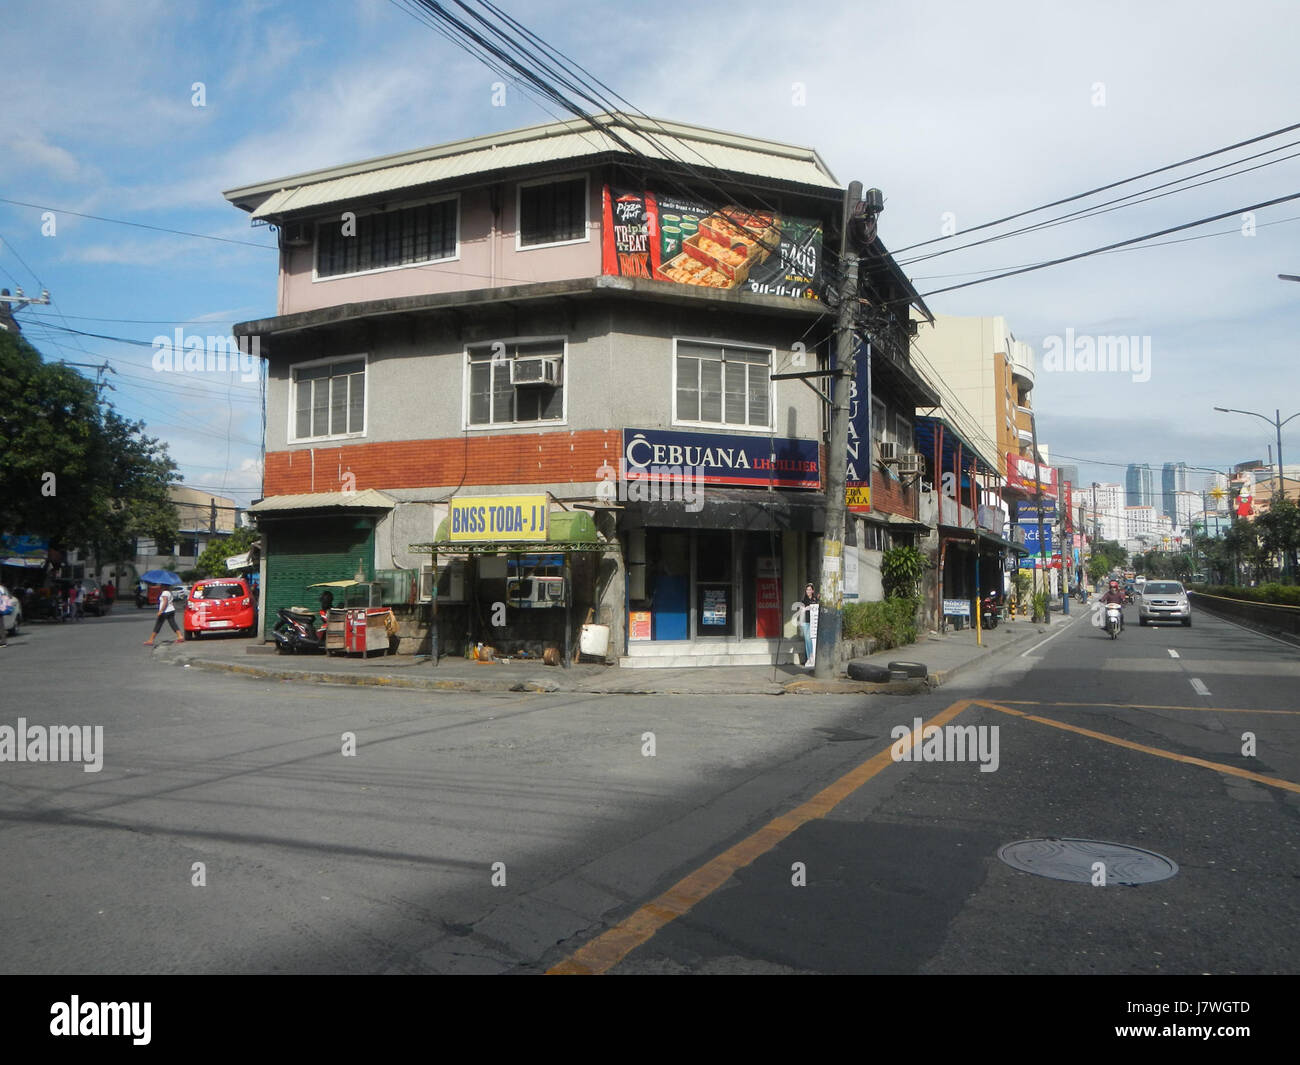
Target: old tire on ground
x=911, y=669
x=868, y=671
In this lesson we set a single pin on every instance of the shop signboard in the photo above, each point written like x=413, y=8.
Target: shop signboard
x=669, y=455
x=1026, y=512
x=485, y=519
x=1031, y=539
x=663, y=237
x=1020, y=475
x=959, y=608
x=857, y=466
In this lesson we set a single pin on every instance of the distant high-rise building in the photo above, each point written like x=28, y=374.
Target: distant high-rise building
x=1105, y=502
x=1140, y=486
x=1173, y=479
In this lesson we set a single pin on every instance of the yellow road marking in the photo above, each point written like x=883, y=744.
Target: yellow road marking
x=611, y=947
x=1150, y=706
x=1218, y=767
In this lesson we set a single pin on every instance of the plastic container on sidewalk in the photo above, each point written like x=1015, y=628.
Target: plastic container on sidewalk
x=594, y=640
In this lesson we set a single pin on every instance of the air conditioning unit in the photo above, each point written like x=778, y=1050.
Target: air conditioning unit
x=528, y=592
x=887, y=451
x=535, y=371
x=911, y=464
x=451, y=582
x=296, y=234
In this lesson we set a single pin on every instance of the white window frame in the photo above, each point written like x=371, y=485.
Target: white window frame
x=879, y=416
x=534, y=424
x=731, y=426
x=553, y=180
x=455, y=257
x=908, y=442
x=292, y=436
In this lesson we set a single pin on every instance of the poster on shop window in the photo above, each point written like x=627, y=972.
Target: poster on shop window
x=663, y=237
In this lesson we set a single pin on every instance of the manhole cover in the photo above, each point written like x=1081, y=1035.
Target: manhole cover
x=1072, y=859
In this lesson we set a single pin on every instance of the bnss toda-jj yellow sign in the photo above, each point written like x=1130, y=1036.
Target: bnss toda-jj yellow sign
x=499, y=518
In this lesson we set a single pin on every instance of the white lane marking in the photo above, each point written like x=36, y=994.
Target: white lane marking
x=1064, y=626
x=1173, y=653
x=1199, y=686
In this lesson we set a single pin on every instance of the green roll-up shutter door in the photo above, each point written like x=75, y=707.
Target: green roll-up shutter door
x=306, y=552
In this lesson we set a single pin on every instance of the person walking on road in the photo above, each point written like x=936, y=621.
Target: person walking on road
x=167, y=613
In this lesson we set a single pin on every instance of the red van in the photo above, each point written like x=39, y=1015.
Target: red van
x=220, y=604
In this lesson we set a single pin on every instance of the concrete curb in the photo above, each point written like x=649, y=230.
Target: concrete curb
x=489, y=682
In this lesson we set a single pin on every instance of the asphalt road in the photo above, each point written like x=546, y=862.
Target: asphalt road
x=526, y=833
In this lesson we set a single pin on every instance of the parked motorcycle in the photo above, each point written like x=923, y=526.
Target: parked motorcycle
x=989, y=612
x=298, y=631
x=1114, y=619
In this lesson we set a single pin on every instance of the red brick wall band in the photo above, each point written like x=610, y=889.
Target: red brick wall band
x=517, y=458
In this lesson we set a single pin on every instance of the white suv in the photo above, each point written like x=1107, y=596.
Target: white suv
x=1163, y=601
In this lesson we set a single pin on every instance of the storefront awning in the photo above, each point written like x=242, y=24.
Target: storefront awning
x=925, y=433
x=370, y=499
x=743, y=509
x=957, y=532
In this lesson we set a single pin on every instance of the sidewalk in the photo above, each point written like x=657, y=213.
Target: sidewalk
x=944, y=656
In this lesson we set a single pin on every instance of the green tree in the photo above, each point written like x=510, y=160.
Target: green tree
x=901, y=570
x=1107, y=555
x=1279, y=530
x=212, y=563
x=72, y=469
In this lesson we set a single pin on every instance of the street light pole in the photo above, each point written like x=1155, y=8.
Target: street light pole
x=1277, y=423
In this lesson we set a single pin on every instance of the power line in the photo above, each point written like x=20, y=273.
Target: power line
x=1117, y=244
x=1119, y=203
x=1119, y=251
x=138, y=225
x=1111, y=185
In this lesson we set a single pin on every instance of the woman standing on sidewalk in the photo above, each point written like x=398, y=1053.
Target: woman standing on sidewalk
x=808, y=601
x=166, y=612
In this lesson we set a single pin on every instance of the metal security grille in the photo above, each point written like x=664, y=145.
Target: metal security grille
x=390, y=238
x=303, y=552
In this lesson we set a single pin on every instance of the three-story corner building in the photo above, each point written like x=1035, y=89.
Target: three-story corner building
x=537, y=365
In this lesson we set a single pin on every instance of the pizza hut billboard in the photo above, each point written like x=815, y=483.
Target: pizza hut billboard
x=666, y=238
x=1020, y=475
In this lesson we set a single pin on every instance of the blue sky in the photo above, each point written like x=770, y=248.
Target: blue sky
x=957, y=111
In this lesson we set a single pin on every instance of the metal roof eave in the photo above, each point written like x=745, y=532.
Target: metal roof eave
x=586, y=287
x=534, y=146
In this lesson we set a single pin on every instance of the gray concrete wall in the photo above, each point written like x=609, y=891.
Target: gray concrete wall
x=618, y=369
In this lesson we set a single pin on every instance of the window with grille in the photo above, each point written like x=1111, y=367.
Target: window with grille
x=386, y=239
x=554, y=212
x=723, y=385
x=494, y=400
x=329, y=399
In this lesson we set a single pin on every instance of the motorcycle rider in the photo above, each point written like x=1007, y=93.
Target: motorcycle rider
x=1114, y=594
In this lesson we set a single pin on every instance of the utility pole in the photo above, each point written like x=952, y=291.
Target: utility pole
x=99, y=368
x=831, y=597
x=1038, y=487
x=8, y=302
x=857, y=231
